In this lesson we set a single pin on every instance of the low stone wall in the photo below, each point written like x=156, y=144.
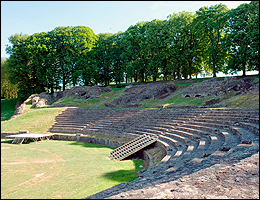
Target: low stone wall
x=4, y=134
x=86, y=139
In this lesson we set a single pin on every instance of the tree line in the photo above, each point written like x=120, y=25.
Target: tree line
x=214, y=39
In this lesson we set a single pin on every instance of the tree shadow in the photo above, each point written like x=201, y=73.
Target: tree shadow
x=6, y=141
x=124, y=175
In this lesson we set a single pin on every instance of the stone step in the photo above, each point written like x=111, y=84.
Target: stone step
x=72, y=125
x=250, y=126
x=233, y=119
x=244, y=135
x=225, y=115
x=65, y=130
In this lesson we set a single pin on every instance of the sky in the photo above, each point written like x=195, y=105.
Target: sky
x=29, y=17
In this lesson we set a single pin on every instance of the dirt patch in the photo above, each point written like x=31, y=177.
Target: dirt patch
x=14, y=163
x=5, y=147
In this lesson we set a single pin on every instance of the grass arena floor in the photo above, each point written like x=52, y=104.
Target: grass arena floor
x=60, y=169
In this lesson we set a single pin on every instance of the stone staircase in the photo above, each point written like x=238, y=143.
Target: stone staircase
x=132, y=147
x=194, y=139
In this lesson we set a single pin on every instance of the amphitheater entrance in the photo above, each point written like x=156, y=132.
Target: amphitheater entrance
x=132, y=147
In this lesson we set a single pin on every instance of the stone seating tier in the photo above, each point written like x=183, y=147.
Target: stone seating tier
x=193, y=139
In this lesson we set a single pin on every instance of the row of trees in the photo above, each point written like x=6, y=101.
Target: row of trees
x=214, y=39
x=8, y=90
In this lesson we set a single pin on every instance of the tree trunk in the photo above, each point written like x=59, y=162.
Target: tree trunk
x=178, y=73
x=52, y=90
x=214, y=71
x=63, y=83
x=244, y=69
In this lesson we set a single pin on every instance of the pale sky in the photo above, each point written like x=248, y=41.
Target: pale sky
x=29, y=17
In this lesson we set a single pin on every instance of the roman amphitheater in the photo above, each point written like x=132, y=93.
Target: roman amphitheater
x=208, y=152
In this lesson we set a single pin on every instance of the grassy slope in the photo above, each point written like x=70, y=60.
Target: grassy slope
x=35, y=120
x=60, y=170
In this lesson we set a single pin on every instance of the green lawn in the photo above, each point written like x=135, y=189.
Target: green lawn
x=60, y=169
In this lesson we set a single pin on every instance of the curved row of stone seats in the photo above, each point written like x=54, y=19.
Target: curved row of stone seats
x=145, y=117
x=195, y=152
x=227, y=139
x=241, y=136
x=182, y=151
x=175, y=140
x=179, y=138
x=234, y=114
x=193, y=139
x=112, y=120
x=170, y=141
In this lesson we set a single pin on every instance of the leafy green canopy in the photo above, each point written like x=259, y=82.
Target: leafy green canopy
x=242, y=38
x=44, y=60
x=8, y=90
x=214, y=39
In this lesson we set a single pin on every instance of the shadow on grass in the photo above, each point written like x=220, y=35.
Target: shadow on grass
x=120, y=175
x=7, y=141
x=125, y=175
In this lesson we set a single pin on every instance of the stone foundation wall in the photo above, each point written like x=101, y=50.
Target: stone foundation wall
x=4, y=134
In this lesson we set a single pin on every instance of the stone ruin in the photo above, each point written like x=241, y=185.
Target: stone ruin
x=213, y=87
x=86, y=92
x=38, y=100
x=134, y=94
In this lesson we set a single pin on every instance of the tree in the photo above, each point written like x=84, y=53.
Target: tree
x=8, y=90
x=22, y=69
x=42, y=61
x=253, y=26
x=135, y=57
x=118, y=66
x=185, y=46
x=82, y=40
x=209, y=25
x=103, y=57
x=152, y=45
x=68, y=45
x=242, y=30
x=164, y=56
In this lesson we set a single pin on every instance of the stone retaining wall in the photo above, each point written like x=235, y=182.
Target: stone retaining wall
x=4, y=134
